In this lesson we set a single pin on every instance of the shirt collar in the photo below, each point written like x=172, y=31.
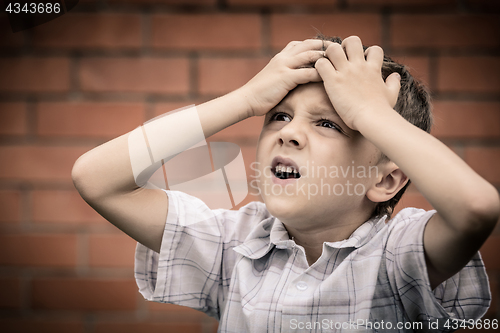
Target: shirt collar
x=258, y=243
x=272, y=233
x=361, y=235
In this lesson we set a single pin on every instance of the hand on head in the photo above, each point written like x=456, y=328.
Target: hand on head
x=353, y=80
x=294, y=65
x=351, y=75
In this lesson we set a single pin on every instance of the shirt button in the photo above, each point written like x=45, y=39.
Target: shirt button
x=301, y=286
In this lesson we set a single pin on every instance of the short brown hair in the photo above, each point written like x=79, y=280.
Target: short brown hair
x=413, y=104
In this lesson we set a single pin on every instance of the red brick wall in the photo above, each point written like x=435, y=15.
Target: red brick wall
x=106, y=67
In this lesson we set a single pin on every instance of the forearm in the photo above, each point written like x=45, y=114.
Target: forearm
x=457, y=192
x=219, y=113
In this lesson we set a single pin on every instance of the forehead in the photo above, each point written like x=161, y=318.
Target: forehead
x=310, y=97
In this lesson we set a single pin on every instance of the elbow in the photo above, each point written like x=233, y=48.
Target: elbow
x=483, y=211
x=78, y=175
x=81, y=174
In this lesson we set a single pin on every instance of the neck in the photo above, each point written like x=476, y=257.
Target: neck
x=312, y=238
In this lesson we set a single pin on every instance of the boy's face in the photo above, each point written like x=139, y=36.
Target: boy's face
x=334, y=165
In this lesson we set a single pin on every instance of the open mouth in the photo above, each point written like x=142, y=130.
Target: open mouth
x=282, y=171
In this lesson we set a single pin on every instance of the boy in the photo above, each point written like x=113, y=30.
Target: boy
x=327, y=262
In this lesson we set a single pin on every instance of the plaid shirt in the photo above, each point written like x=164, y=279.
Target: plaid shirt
x=242, y=268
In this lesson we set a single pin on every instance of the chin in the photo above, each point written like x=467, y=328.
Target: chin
x=285, y=208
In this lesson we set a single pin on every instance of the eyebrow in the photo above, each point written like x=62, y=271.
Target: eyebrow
x=318, y=110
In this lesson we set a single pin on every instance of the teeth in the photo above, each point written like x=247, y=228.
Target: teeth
x=282, y=168
x=285, y=172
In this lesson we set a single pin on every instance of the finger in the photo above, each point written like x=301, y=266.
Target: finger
x=290, y=45
x=310, y=44
x=337, y=56
x=306, y=75
x=307, y=59
x=374, y=54
x=325, y=69
x=393, y=83
x=353, y=48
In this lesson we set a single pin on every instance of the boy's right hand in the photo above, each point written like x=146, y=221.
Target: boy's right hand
x=294, y=65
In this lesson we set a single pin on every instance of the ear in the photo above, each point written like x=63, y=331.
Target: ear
x=389, y=182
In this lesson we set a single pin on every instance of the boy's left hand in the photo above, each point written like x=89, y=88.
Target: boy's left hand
x=354, y=84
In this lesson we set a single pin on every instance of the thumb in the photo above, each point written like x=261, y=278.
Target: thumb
x=393, y=83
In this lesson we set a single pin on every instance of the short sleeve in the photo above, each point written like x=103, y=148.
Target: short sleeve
x=187, y=269
x=465, y=295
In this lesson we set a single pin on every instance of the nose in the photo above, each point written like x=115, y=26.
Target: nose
x=292, y=135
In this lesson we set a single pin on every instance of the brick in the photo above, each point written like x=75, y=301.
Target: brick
x=234, y=31
x=219, y=76
x=468, y=74
x=10, y=289
x=418, y=66
x=81, y=31
x=10, y=206
x=216, y=198
x=160, y=327
x=25, y=325
x=28, y=74
x=84, y=294
x=38, y=250
x=141, y=75
x=485, y=161
x=173, y=308
x=288, y=27
x=489, y=252
x=175, y=312
x=412, y=199
x=466, y=119
x=61, y=206
x=14, y=119
x=102, y=120
x=464, y=31
x=111, y=251
x=9, y=39
x=249, y=154
x=38, y=162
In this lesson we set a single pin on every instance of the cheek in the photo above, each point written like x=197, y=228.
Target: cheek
x=264, y=144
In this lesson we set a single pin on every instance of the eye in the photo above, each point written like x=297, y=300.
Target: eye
x=280, y=116
x=329, y=124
